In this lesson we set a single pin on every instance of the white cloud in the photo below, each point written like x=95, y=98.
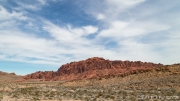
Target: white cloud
x=31, y=49
x=2, y=57
x=34, y=5
x=100, y=17
x=30, y=24
x=115, y=7
x=90, y=29
x=124, y=2
x=28, y=48
x=127, y=23
x=131, y=49
x=28, y=6
x=69, y=43
x=69, y=34
x=120, y=29
x=6, y=24
x=42, y=1
x=111, y=10
x=58, y=33
x=5, y=15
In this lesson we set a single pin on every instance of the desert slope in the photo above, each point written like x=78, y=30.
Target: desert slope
x=165, y=77
x=9, y=77
x=154, y=84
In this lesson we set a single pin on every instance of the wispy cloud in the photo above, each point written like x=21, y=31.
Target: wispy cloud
x=69, y=34
x=127, y=30
x=5, y=15
x=33, y=5
x=120, y=29
x=68, y=44
x=138, y=33
x=42, y=1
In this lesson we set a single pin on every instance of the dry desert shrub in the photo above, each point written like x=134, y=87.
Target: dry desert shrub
x=161, y=82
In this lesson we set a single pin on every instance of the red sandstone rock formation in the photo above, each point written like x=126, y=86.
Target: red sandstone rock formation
x=47, y=75
x=92, y=68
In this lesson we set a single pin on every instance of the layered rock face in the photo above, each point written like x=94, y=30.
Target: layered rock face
x=92, y=68
x=96, y=67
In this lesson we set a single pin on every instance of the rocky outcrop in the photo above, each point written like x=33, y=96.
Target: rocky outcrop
x=96, y=67
x=92, y=68
x=45, y=76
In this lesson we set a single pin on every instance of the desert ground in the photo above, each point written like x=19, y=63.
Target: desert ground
x=159, y=84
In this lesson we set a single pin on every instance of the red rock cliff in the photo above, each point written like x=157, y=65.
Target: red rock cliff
x=47, y=75
x=93, y=67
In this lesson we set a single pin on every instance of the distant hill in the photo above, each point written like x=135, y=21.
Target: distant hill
x=9, y=77
x=93, y=68
x=164, y=78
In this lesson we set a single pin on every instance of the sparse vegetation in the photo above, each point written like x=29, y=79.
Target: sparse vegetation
x=157, y=84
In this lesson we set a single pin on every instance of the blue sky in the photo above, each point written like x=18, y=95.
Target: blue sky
x=44, y=34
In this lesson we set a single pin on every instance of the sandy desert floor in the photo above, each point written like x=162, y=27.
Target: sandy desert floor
x=162, y=84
